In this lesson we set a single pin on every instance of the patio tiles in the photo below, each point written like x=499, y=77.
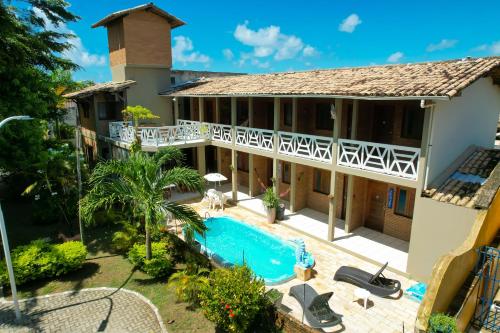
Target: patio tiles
x=382, y=315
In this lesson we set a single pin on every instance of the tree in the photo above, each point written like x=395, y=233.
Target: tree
x=137, y=113
x=29, y=53
x=138, y=183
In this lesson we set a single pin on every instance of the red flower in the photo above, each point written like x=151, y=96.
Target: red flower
x=231, y=315
x=227, y=306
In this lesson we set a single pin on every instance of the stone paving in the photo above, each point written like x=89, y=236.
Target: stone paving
x=87, y=310
x=382, y=315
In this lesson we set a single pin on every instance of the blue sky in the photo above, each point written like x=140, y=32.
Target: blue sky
x=261, y=36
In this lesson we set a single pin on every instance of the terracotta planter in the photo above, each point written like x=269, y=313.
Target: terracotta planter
x=271, y=214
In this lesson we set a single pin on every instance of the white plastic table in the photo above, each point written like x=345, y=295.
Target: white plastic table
x=361, y=293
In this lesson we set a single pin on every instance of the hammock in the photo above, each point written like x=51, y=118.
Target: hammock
x=263, y=187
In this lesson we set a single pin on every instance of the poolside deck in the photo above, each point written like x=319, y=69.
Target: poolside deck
x=382, y=315
x=364, y=242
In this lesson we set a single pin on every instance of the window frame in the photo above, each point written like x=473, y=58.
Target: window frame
x=315, y=182
x=286, y=173
x=110, y=109
x=409, y=206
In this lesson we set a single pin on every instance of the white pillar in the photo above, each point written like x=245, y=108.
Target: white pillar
x=250, y=156
x=276, y=127
x=332, y=203
x=234, y=160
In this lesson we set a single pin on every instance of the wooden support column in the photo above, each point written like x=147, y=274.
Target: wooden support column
x=217, y=121
x=201, y=108
x=251, y=173
x=234, y=159
x=293, y=166
x=276, y=128
x=176, y=109
x=191, y=108
x=202, y=168
x=332, y=203
x=350, y=178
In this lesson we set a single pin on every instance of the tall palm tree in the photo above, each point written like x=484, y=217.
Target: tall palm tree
x=138, y=182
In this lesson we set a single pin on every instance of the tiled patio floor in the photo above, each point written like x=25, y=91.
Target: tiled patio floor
x=365, y=242
x=383, y=315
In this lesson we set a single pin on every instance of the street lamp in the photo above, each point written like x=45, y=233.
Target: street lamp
x=5, y=240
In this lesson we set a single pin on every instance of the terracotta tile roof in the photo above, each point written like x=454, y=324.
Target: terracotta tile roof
x=172, y=20
x=101, y=87
x=439, y=79
x=467, y=184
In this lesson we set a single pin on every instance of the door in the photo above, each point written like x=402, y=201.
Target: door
x=344, y=197
x=383, y=123
x=211, y=159
x=375, y=215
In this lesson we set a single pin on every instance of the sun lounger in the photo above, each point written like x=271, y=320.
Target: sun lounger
x=316, y=309
x=377, y=283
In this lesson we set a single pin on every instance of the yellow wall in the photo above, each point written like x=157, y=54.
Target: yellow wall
x=452, y=269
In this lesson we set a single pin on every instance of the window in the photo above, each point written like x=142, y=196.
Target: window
x=285, y=173
x=242, y=113
x=405, y=199
x=324, y=120
x=413, y=122
x=242, y=161
x=106, y=110
x=86, y=109
x=321, y=181
x=287, y=114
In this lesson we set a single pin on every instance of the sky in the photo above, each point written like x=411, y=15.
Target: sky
x=267, y=36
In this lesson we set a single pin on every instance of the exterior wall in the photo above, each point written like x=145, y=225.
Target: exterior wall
x=469, y=119
x=150, y=81
x=147, y=31
x=116, y=43
x=359, y=193
x=259, y=164
x=305, y=196
x=225, y=161
x=452, y=269
x=339, y=187
x=397, y=225
x=437, y=229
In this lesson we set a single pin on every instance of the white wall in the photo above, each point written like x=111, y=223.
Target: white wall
x=469, y=119
x=437, y=229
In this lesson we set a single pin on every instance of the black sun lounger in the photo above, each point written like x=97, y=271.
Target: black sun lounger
x=316, y=309
x=377, y=283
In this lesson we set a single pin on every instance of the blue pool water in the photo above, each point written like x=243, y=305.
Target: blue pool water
x=228, y=241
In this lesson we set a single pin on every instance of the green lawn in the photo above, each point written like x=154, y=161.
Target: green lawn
x=104, y=268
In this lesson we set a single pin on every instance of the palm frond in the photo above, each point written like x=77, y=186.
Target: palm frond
x=183, y=177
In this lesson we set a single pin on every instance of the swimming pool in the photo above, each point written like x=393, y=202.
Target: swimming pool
x=230, y=241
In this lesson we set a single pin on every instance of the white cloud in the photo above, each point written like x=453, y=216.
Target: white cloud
x=395, y=57
x=228, y=54
x=442, y=45
x=493, y=48
x=77, y=53
x=182, y=52
x=350, y=23
x=270, y=41
x=309, y=51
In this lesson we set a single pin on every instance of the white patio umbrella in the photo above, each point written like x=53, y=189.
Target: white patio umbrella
x=215, y=178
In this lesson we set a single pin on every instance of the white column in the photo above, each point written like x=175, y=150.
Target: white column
x=176, y=109
x=276, y=127
x=234, y=160
x=217, y=121
x=250, y=156
x=332, y=203
x=201, y=107
x=293, y=166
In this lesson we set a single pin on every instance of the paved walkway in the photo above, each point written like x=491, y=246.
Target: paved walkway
x=88, y=310
x=382, y=315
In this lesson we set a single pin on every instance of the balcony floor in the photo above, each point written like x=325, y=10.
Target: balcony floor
x=364, y=242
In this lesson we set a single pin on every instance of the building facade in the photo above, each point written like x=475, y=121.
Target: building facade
x=352, y=149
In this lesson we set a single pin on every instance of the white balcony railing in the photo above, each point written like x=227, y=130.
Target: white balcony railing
x=313, y=147
x=255, y=138
x=389, y=159
x=116, y=127
x=219, y=132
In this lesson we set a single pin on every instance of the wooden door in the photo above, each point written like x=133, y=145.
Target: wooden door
x=375, y=216
x=383, y=123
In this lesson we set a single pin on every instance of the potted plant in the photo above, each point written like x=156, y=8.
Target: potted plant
x=271, y=202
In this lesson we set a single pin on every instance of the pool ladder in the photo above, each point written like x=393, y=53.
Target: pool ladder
x=207, y=214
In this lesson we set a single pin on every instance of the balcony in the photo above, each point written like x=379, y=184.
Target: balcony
x=392, y=160
x=398, y=161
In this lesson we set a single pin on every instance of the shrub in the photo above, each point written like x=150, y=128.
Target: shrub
x=40, y=259
x=160, y=263
x=188, y=284
x=124, y=239
x=232, y=298
x=442, y=323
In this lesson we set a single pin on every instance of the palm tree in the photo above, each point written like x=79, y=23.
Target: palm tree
x=138, y=182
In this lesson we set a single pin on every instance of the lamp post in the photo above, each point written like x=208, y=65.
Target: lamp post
x=5, y=240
